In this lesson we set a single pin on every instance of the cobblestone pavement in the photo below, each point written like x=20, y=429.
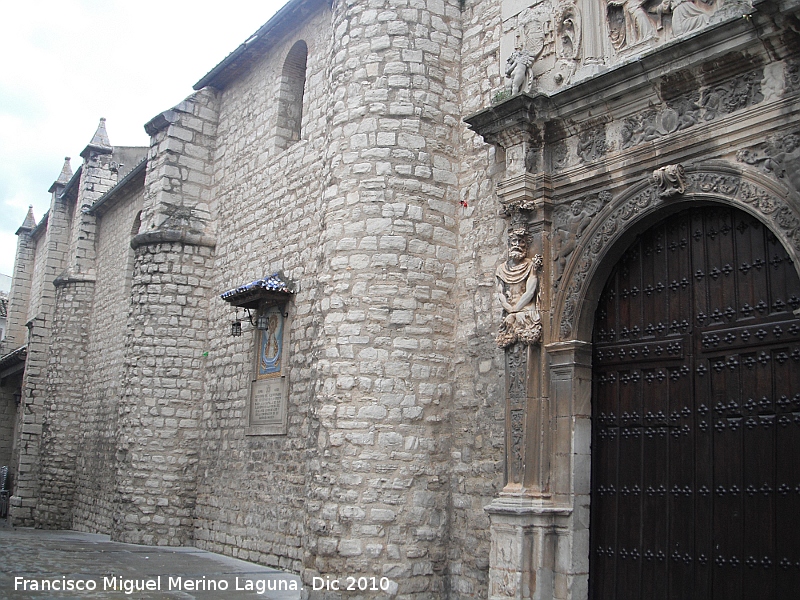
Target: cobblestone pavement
x=50, y=560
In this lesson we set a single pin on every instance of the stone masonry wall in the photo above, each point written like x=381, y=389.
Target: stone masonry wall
x=379, y=491
x=8, y=417
x=478, y=446
x=65, y=386
x=29, y=426
x=251, y=495
x=157, y=452
x=95, y=498
x=19, y=296
x=167, y=330
x=38, y=276
x=68, y=371
x=48, y=264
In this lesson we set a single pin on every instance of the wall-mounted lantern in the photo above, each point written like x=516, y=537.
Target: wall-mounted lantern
x=272, y=290
x=236, y=328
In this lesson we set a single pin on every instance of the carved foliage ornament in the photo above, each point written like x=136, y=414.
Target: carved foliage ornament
x=792, y=76
x=517, y=441
x=517, y=369
x=731, y=187
x=779, y=156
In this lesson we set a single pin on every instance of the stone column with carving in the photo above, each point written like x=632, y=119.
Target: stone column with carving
x=529, y=528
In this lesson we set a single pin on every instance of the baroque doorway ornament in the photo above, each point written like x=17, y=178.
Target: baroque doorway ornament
x=671, y=180
x=721, y=183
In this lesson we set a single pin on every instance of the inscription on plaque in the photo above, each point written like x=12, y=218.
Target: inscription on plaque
x=268, y=407
x=267, y=396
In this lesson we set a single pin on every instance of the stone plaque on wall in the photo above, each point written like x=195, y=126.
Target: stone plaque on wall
x=268, y=407
x=269, y=389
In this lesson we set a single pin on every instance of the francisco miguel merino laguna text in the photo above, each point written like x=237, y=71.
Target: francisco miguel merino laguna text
x=116, y=583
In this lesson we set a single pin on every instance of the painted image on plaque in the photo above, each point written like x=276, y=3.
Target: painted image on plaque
x=271, y=344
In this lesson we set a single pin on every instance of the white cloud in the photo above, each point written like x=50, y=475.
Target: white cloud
x=66, y=63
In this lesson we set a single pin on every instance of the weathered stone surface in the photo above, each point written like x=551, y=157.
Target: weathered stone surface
x=404, y=420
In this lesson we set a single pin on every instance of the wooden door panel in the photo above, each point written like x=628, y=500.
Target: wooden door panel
x=696, y=415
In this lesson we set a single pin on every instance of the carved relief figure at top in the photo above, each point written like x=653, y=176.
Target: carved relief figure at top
x=779, y=156
x=634, y=22
x=518, y=292
x=518, y=70
x=686, y=15
x=533, y=49
x=546, y=44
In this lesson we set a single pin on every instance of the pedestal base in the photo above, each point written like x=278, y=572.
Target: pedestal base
x=530, y=541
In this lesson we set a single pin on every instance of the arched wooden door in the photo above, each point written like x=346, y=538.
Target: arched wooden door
x=696, y=416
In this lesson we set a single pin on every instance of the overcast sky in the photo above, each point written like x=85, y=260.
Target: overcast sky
x=66, y=63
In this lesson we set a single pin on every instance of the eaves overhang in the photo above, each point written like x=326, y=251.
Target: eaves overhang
x=13, y=362
x=134, y=178
x=239, y=61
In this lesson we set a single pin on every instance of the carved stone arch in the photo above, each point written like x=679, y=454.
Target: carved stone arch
x=641, y=207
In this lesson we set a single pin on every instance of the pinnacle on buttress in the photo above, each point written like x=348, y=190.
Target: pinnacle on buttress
x=100, y=142
x=64, y=177
x=29, y=222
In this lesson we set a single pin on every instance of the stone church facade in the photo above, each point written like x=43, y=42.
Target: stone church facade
x=357, y=308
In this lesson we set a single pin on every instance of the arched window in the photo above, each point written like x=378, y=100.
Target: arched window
x=290, y=96
x=137, y=223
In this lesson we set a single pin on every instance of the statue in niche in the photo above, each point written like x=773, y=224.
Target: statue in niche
x=518, y=292
x=629, y=23
x=686, y=16
x=567, y=42
x=517, y=69
x=569, y=32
